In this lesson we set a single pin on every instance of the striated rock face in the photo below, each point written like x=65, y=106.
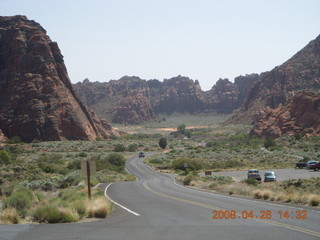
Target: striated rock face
x=223, y=97
x=300, y=115
x=133, y=109
x=37, y=100
x=244, y=84
x=301, y=72
x=131, y=100
x=178, y=94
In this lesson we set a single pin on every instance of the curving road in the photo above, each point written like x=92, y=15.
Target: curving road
x=155, y=207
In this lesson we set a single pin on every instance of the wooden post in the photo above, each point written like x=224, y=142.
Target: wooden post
x=88, y=177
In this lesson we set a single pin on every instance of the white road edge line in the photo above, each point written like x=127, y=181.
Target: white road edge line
x=127, y=209
x=243, y=199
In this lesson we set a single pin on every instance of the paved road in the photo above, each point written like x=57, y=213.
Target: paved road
x=158, y=208
x=282, y=174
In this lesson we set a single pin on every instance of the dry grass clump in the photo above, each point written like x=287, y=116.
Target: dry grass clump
x=99, y=208
x=9, y=216
x=263, y=194
x=314, y=200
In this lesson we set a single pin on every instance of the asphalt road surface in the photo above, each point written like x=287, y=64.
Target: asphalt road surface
x=155, y=207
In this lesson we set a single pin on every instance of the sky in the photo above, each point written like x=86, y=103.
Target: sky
x=204, y=40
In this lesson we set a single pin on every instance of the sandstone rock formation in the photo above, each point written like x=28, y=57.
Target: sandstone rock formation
x=131, y=100
x=37, y=100
x=223, y=97
x=300, y=115
x=301, y=72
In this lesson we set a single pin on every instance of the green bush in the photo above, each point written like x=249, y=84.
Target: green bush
x=193, y=164
x=53, y=214
x=119, y=148
x=4, y=157
x=298, y=136
x=133, y=147
x=75, y=165
x=21, y=200
x=82, y=154
x=269, y=142
x=116, y=160
x=156, y=161
x=251, y=181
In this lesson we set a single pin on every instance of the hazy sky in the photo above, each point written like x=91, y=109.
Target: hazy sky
x=156, y=39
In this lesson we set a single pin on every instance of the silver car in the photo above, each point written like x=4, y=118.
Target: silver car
x=269, y=176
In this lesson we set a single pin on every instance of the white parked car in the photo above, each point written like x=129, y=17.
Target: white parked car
x=269, y=176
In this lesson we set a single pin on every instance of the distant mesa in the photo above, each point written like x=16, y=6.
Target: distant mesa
x=37, y=100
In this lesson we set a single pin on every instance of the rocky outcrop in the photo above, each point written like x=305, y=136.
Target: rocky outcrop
x=223, y=97
x=37, y=100
x=300, y=115
x=301, y=72
x=133, y=109
x=178, y=94
x=244, y=84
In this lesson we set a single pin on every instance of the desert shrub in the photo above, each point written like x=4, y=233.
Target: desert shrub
x=44, y=185
x=187, y=180
x=4, y=157
x=181, y=128
x=75, y=164
x=70, y=179
x=47, y=167
x=314, y=200
x=163, y=142
x=81, y=207
x=14, y=139
x=220, y=179
x=99, y=208
x=193, y=164
x=21, y=200
x=69, y=196
x=9, y=216
x=132, y=147
x=251, y=181
x=83, y=154
x=7, y=190
x=156, y=161
x=116, y=159
x=119, y=148
x=269, y=142
x=54, y=214
x=298, y=136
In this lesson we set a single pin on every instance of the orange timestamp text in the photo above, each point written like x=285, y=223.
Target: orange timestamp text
x=263, y=214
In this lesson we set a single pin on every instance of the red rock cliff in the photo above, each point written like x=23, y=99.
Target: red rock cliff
x=37, y=100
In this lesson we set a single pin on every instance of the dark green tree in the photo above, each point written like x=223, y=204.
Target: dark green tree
x=163, y=142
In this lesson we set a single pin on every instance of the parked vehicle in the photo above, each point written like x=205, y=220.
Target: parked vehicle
x=311, y=163
x=141, y=154
x=301, y=164
x=269, y=176
x=315, y=167
x=254, y=173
